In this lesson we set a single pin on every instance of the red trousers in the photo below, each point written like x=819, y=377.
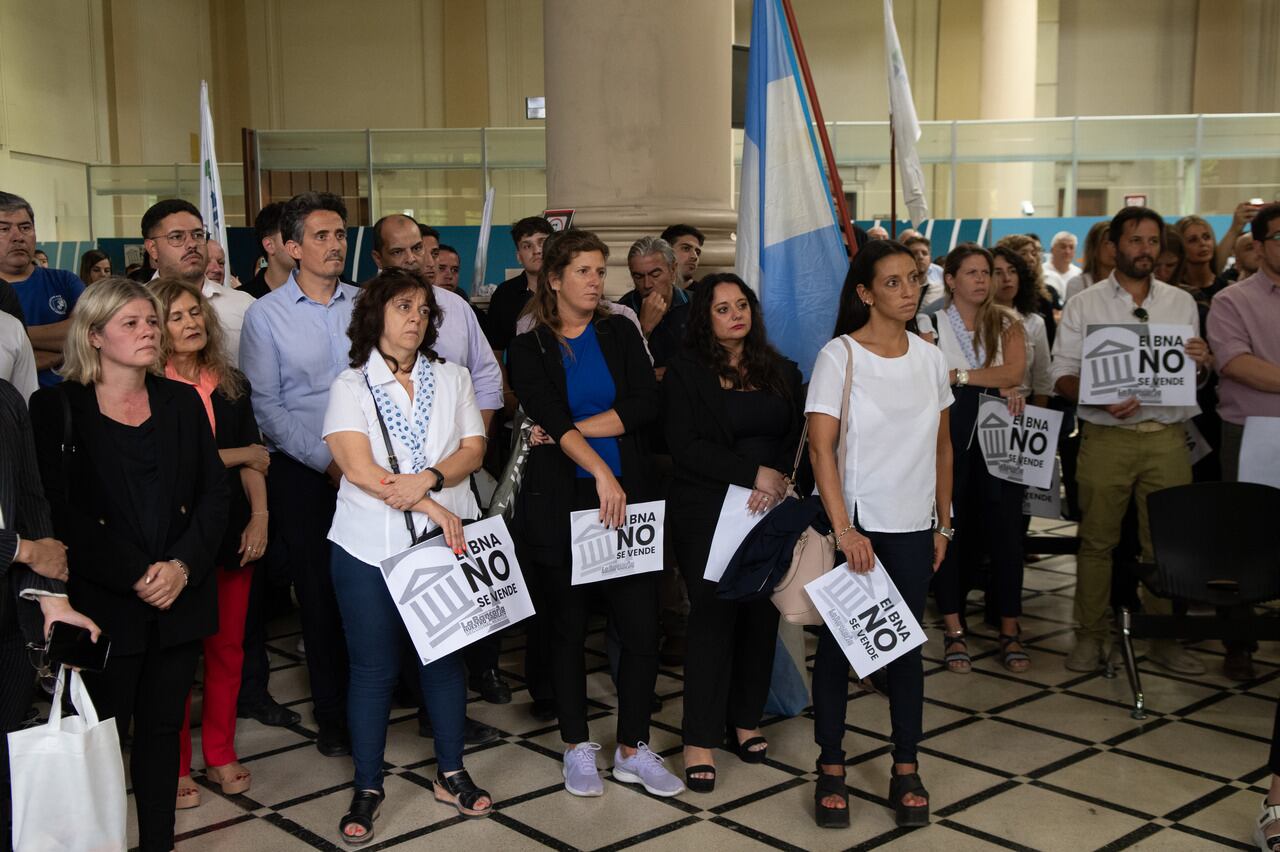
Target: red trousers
x=223, y=658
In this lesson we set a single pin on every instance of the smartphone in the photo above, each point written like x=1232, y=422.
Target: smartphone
x=70, y=645
x=1255, y=201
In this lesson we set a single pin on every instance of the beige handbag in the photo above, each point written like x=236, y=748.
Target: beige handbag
x=814, y=553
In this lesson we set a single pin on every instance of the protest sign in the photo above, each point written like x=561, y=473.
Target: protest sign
x=447, y=601
x=1018, y=449
x=1148, y=362
x=1260, y=451
x=1045, y=502
x=604, y=553
x=866, y=615
x=736, y=520
x=1197, y=446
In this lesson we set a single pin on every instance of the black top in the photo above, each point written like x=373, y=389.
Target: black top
x=760, y=421
x=9, y=302
x=236, y=427
x=258, y=287
x=135, y=450
x=505, y=305
x=666, y=340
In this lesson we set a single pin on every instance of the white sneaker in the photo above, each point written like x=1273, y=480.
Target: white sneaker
x=581, y=775
x=645, y=767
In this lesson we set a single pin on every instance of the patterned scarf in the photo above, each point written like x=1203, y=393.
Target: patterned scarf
x=410, y=430
x=975, y=356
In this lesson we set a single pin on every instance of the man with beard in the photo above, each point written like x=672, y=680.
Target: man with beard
x=1128, y=449
x=47, y=296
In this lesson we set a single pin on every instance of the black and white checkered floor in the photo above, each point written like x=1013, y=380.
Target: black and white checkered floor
x=1049, y=760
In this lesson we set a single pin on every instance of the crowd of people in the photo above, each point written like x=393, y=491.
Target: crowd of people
x=193, y=447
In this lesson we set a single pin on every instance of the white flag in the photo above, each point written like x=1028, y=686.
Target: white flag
x=211, y=209
x=906, y=129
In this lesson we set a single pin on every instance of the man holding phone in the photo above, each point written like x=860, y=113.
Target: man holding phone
x=37, y=562
x=1240, y=223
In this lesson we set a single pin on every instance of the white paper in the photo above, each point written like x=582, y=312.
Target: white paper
x=601, y=553
x=1018, y=449
x=1137, y=360
x=736, y=520
x=866, y=615
x=1197, y=446
x=1045, y=502
x=1260, y=451
x=447, y=601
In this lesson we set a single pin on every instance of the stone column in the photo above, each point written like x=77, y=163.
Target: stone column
x=1007, y=87
x=638, y=114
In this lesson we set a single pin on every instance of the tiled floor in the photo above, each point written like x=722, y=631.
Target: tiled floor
x=1050, y=760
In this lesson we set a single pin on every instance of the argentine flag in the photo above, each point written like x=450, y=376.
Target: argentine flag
x=789, y=246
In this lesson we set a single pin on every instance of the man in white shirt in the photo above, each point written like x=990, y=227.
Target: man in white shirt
x=178, y=243
x=930, y=272
x=17, y=358
x=1060, y=269
x=1127, y=449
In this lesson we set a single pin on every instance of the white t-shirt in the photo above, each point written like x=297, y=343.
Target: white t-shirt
x=230, y=305
x=890, y=466
x=1058, y=280
x=17, y=360
x=363, y=525
x=945, y=336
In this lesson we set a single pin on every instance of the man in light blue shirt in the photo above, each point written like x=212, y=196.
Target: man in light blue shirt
x=293, y=345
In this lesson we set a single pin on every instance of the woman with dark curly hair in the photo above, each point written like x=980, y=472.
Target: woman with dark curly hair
x=733, y=417
x=428, y=410
x=1016, y=289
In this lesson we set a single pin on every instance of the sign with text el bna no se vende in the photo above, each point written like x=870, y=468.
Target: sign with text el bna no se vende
x=604, y=553
x=1018, y=449
x=1147, y=362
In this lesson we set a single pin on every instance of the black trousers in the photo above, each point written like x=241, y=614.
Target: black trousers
x=908, y=557
x=729, y=657
x=150, y=689
x=17, y=682
x=302, y=505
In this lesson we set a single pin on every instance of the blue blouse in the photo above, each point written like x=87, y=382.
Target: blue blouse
x=591, y=391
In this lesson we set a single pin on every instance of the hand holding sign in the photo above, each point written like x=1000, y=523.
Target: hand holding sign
x=633, y=546
x=1154, y=364
x=613, y=501
x=1018, y=448
x=867, y=616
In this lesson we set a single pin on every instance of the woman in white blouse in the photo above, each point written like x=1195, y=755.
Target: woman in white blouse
x=1016, y=290
x=429, y=411
x=893, y=502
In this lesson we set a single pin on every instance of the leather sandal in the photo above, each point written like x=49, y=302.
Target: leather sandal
x=1015, y=661
x=363, y=810
x=700, y=785
x=908, y=816
x=1269, y=841
x=232, y=777
x=828, y=786
x=188, y=794
x=958, y=660
x=746, y=751
x=459, y=791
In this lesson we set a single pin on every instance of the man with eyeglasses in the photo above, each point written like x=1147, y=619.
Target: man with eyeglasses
x=663, y=307
x=1127, y=449
x=178, y=244
x=47, y=296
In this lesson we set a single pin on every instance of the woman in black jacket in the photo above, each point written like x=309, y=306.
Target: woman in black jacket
x=583, y=376
x=139, y=497
x=734, y=412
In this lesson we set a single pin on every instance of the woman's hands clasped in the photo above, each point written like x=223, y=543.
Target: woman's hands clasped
x=161, y=584
x=403, y=491
x=769, y=489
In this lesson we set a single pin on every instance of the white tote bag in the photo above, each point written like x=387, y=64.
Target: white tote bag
x=68, y=780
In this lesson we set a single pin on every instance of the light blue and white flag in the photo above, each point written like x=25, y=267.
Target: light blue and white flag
x=211, y=209
x=789, y=246
x=906, y=129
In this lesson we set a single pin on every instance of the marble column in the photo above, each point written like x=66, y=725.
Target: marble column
x=1007, y=87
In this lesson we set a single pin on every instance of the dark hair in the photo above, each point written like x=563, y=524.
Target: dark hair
x=89, y=260
x=1262, y=220
x=759, y=367
x=916, y=238
x=367, y=317
x=1173, y=245
x=294, y=215
x=162, y=210
x=450, y=249
x=854, y=313
x=10, y=202
x=528, y=226
x=378, y=225
x=557, y=253
x=428, y=231
x=1035, y=237
x=1027, y=300
x=1133, y=214
x=267, y=222
x=675, y=232
x=43, y=252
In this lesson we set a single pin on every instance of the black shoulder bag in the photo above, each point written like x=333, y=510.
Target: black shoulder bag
x=394, y=464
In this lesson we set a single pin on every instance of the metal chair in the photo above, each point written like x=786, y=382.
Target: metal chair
x=1215, y=544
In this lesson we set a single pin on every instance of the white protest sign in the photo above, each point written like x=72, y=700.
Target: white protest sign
x=1197, y=446
x=1137, y=360
x=866, y=615
x=1045, y=502
x=447, y=601
x=1018, y=449
x=603, y=553
x=1260, y=451
x=736, y=520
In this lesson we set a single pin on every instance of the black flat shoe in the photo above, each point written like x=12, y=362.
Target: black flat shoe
x=473, y=732
x=333, y=743
x=700, y=785
x=364, y=809
x=544, y=710
x=827, y=786
x=269, y=713
x=908, y=816
x=492, y=687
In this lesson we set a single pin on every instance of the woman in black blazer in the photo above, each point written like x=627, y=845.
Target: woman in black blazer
x=139, y=497
x=583, y=376
x=734, y=413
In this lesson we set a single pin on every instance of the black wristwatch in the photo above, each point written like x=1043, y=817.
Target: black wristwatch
x=439, y=486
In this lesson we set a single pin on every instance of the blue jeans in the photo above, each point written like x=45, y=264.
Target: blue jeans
x=375, y=637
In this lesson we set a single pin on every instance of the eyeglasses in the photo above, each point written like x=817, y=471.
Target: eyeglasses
x=1141, y=314
x=1273, y=238
x=39, y=657
x=177, y=238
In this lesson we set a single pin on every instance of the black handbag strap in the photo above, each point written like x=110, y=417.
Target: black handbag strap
x=393, y=463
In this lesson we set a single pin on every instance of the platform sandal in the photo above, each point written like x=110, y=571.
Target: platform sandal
x=188, y=794
x=1268, y=841
x=1015, y=661
x=908, y=816
x=746, y=751
x=459, y=791
x=958, y=660
x=827, y=786
x=363, y=810
x=700, y=785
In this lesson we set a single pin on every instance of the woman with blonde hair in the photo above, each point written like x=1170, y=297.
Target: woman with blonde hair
x=139, y=497
x=194, y=353
x=1200, y=262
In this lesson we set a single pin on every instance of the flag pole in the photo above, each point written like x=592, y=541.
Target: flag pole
x=833, y=174
x=893, y=181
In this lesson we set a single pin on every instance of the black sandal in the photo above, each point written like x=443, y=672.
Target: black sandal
x=462, y=793
x=908, y=816
x=745, y=751
x=700, y=785
x=1015, y=661
x=827, y=786
x=364, y=809
x=957, y=661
